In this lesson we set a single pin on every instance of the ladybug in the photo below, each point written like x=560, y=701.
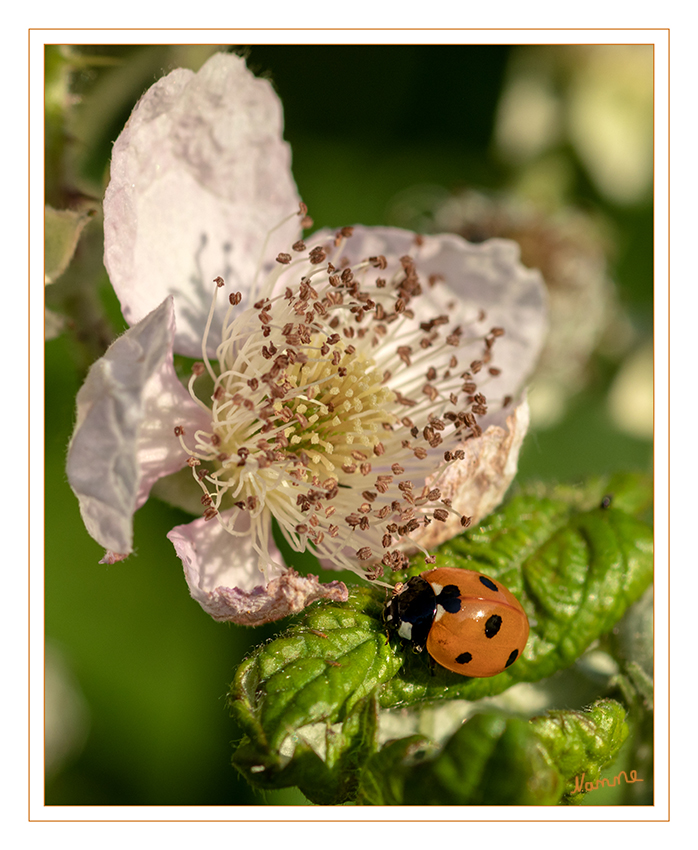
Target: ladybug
x=468, y=622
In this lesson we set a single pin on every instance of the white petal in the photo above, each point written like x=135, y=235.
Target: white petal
x=199, y=176
x=491, y=277
x=124, y=435
x=477, y=484
x=488, y=276
x=224, y=577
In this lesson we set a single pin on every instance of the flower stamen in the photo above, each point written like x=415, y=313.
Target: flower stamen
x=329, y=402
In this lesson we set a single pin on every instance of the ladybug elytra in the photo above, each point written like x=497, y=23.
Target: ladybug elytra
x=467, y=622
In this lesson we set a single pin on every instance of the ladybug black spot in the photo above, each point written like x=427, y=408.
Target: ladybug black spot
x=489, y=584
x=512, y=658
x=449, y=599
x=493, y=625
x=464, y=658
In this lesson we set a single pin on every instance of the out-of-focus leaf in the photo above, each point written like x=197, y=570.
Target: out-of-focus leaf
x=494, y=760
x=490, y=760
x=54, y=324
x=62, y=232
x=632, y=643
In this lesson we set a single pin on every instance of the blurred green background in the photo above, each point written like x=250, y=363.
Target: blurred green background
x=388, y=134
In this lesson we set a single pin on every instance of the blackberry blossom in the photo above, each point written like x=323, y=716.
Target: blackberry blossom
x=363, y=388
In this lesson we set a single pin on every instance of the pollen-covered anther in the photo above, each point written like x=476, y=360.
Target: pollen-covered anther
x=313, y=388
x=317, y=255
x=342, y=234
x=404, y=352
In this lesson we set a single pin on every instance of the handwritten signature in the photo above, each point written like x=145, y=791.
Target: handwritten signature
x=581, y=785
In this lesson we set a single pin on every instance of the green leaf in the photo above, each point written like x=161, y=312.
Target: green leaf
x=494, y=760
x=323, y=760
x=632, y=644
x=305, y=700
x=386, y=773
x=580, y=743
x=490, y=760
x=63, y=229
x=576, y=565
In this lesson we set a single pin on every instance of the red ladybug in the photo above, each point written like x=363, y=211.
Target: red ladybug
x=468, y=622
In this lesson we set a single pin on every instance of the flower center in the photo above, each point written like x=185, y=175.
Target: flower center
x=332, y=405
x=339, y=405
x=309, y=416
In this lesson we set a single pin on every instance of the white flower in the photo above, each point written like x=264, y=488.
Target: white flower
x=353, y=387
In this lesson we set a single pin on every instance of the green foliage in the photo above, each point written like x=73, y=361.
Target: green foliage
x=62, y=231
x=309, y=701
x=490, y=760
x=145, y=747
x=578, y=744
x=313, y=689
x=494, y=760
